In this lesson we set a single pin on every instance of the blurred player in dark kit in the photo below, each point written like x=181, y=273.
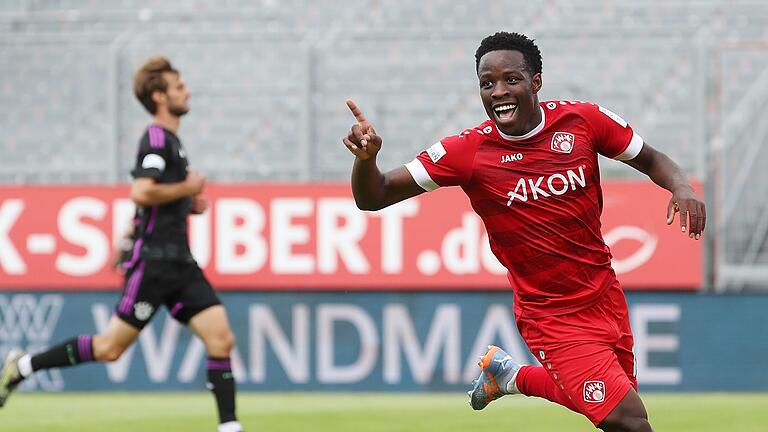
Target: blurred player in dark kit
x=160, y=269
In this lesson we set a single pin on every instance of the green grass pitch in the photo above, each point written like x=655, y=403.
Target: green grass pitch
x=319, y=412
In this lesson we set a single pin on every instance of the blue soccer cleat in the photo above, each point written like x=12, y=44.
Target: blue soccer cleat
x=497, y=370
x=9, y=375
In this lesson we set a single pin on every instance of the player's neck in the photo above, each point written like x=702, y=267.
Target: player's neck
x=167, y=120
x=537, y=117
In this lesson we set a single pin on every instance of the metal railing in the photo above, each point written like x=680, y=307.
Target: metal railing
x=418, y=84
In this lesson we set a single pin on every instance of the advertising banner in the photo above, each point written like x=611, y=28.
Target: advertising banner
x=313, y=237
x=376, y=341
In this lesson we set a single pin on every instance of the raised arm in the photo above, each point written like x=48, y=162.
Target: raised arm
x=667, y=174
x=372, y=189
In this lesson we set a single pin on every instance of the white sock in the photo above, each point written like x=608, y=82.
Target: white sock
x=511, y=387
x=25, y=365
x=233, y=426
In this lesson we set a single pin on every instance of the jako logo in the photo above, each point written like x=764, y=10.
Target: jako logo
x=511, y=157
x=556, y=184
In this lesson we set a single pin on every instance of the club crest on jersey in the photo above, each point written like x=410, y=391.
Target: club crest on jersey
x=594, y=391
x=562, y=142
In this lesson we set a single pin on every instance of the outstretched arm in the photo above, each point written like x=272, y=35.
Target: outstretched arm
x=667, y=174
x=372, y=189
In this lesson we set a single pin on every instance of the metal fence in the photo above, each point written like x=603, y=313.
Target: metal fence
x=270, y=105
x=739, y=181
x=269, y=82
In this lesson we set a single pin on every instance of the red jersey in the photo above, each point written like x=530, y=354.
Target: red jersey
x=540, y=199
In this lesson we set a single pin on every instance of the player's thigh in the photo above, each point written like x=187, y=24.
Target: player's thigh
x=589, y=373
x=625, y=355
x=625, y=342
x=212, y=326
x=192, y=296
x=628, y=413
x=578, y=352
x=143, y=293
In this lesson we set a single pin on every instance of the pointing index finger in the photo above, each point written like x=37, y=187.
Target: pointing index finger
x=356, y=112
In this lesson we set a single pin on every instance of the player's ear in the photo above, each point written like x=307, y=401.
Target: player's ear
x=159, y=97
x=536, y=82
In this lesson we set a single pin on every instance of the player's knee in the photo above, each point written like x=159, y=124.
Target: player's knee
x=227, y=341
x=628, y=416
x=625, y=422
x=112, y=355
x=221, y=343
x=107, y=352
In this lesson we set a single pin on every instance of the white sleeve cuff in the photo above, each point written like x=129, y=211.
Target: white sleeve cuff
x=421, y=176
x=633, y=149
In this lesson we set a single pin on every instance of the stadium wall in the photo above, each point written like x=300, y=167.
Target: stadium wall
x=313, y=237
x=377, y=341
x=324, y=297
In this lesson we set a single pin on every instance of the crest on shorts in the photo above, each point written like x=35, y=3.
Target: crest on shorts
x=594, y=391
x=562, y=142
x=142, y=311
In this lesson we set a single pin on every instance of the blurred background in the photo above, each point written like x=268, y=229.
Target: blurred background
x=269, y=79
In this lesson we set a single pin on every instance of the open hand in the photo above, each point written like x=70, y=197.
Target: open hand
x=693, y=214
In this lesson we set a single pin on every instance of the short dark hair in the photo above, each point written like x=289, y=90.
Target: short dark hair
x=514, y=42
x=149, y=79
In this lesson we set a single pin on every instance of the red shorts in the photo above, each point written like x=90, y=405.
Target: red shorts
x=588, y=353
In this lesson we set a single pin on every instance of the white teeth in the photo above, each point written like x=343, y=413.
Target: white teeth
x=502, y=108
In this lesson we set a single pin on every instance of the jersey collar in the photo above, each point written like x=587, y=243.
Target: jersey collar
x=530, y=134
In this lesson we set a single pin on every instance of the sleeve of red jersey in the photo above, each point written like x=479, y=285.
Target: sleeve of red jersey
x=614, y=137
x=447, y=163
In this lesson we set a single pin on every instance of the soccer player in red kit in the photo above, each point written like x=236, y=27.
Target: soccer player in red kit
x=531, y=174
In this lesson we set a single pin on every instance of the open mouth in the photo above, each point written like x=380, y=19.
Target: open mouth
x=505, y=112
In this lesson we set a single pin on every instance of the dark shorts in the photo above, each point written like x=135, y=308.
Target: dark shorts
x=588, y=353
x=180, y=286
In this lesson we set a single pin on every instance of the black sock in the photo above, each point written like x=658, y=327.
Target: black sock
x=222, y=383
x=69, y=353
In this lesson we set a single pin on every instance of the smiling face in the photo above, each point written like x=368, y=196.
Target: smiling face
x=509, y=91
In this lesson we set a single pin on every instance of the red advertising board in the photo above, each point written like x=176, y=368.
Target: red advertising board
x=313, y=237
